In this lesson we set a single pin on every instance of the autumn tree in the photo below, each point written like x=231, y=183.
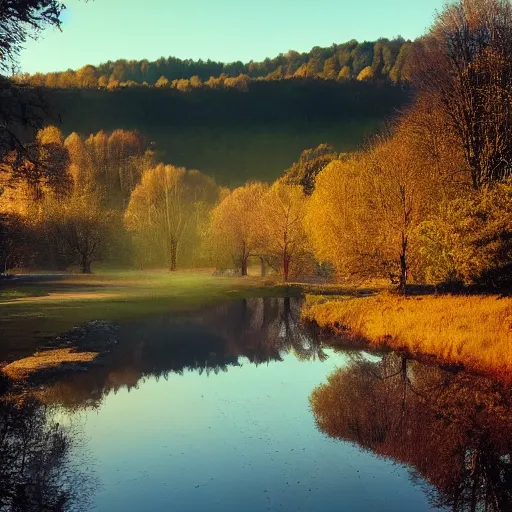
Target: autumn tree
x=310, y=163
x=363, y=212
x=235, y=228
x=345, y=73
x=335, y=217
x=165, y=206
x=81, y=229
x=469, y=239
x=23, y=110
x=463, y=68
x=331, y=68
x=282, y=216
x=112, y=163
x=366, y=74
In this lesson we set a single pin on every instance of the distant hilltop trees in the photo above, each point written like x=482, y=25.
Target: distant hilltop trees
x=383, y=60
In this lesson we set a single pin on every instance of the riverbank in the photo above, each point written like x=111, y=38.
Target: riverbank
x=33, y=310
x=473, y=331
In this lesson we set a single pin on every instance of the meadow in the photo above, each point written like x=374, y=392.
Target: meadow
x=33, y=310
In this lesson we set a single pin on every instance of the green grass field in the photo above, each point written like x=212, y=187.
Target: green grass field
x=33, y=310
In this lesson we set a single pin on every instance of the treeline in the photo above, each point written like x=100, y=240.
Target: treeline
x=383, y=60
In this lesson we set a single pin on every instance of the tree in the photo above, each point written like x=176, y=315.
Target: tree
x=240, y=83
x=463, y=67
x=22, y=110
x=397, y=191
x=469, y=239
x=331, y=68
x=400, y=72
x=345, y=73
x=162, y=82
x=22, y=19
x=334, y=217
x=15, y=247
x=110, y=163
x=366, y=74
x=166, y=204
x=363, y=212
x=284, y=236
x=236, y=225
x=80, y=227
x=310, y=163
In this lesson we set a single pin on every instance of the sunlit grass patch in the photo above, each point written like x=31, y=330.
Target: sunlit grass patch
x=20, y=293
x=46, y=360
x=475, y=331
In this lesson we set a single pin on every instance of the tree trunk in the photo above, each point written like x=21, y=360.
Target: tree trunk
x=286, y=267
x=403, y=267
x=243, y=265
x=86, y=265
x=173, y=254
x=263, y=267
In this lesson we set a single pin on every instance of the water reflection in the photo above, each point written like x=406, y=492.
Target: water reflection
x=37, y=473
x=454, y=430
x=207, y=341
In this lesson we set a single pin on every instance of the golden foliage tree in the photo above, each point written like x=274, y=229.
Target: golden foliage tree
x=334, y=217
x=469, y=239
x=165, y=206
x=235, y=228
x=364, y=211
x=284, y=236
x=112, y=163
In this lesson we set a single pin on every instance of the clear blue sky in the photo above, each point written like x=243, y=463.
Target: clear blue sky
x=224, y=30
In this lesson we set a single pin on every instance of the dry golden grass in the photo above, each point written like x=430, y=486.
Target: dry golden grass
x=48, y=359
x=475, y=331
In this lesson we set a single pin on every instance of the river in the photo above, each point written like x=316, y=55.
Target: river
x=239, y=407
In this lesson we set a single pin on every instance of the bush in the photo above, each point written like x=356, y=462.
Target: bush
x=470, y=240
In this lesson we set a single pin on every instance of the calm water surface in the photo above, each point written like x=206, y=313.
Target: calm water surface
x=237, y=407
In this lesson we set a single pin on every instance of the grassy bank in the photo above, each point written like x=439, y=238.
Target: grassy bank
x=475, y=331
x=33, y=309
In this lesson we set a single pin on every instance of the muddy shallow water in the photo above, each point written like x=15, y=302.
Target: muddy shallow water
x=239, y=407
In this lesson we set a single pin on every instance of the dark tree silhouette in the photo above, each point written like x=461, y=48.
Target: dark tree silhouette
x=36, y=471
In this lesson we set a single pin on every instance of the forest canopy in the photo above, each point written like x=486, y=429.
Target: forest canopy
x=383, y=60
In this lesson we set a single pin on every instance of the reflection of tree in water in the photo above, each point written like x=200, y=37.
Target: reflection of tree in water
x=455, y=430
x=263, y=330
x=36, y=473
x=208, y=341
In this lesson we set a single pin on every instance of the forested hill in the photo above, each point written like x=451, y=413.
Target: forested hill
x=236, y=136
x=383, y=60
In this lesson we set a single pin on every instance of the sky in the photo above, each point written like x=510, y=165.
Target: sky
x=226, y=30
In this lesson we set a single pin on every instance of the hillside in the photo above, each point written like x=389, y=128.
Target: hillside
x=231, y=135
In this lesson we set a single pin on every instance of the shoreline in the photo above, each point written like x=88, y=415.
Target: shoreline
x=470, y=332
